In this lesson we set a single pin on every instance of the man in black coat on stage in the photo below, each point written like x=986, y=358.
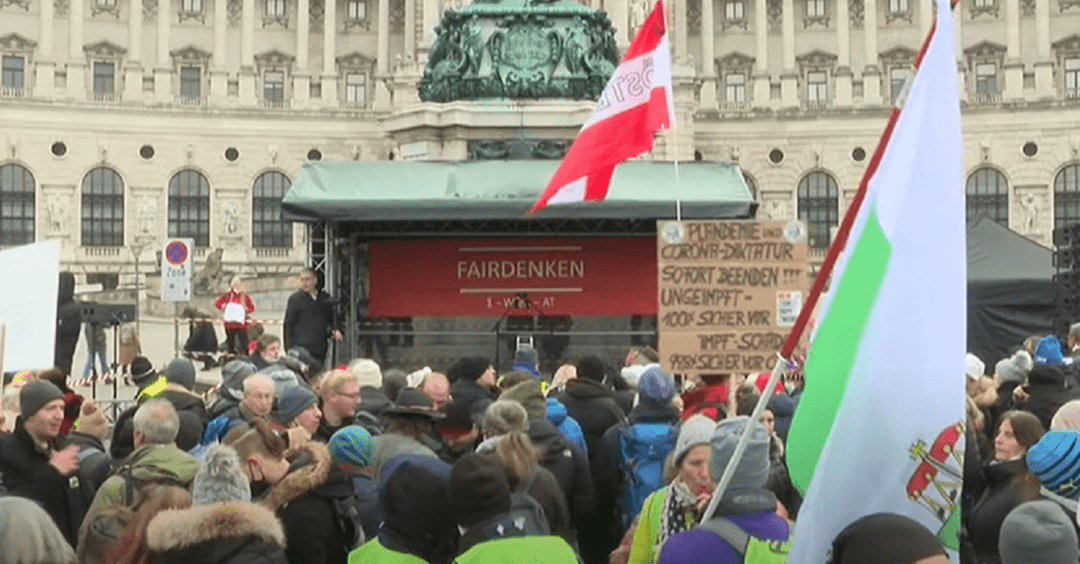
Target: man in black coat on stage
x=309, y=318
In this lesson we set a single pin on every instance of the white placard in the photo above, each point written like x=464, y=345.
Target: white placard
x=28, y=304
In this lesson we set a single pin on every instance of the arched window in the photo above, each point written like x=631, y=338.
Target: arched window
x=189, y=207
x=102, y=208
x=1067, y=196
x=16, y=205
x=819, y=206
x=267, y=228
x=988, y=194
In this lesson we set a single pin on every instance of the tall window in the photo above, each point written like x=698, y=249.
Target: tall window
x=1072, y=77
x=274, y=86
x=275, y=8
x=13, y=72
x=1067, y=196
x=355, y=88
x=815, y=8
x=16, y=205
x=191, y=6
x=986, y=81
x=817, y=87
x=735, y=88
x=189, y=207
x=734, y=10
x=104, y=78
x=988, y=194
x=102, y=208
x=898, y=6
x=819, y=206
x=267, y=228
x=356, y=10
x=898, y=78
x=190, y=82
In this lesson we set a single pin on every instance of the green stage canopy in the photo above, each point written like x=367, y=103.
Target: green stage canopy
x=480, y=190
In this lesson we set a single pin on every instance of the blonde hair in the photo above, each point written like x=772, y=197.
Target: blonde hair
x=508, y=420
x=334, y=381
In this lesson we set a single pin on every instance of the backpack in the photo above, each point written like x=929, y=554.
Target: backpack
x=752, y=549
x=525, y=519
x=643, y=447
x=106, y=525
x=348, y=521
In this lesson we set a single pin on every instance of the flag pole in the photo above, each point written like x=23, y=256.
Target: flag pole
x=674, y=141
x=815, y=292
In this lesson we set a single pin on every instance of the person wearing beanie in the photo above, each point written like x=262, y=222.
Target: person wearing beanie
x=683, y=496
x=746, y=502
x=1067, y=417
x=1055, y=462
x=231, y=391
x=653, y=416
x=297, y=407
x=175, y=385
x=1038, y=532
x=72, y=400
x=593, y=406
x=352, y=449
x=417, y=525
x=142, y=371
x=32, y=465
x=472, y=385
x=527, y=360
x=373, y=400
x=89, y=434
x=1047, y=386
x=493, y=528
x=887, y=538
x=223, y=525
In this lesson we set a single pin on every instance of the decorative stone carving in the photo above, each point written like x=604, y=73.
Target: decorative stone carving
x=816, y=59
x=397, y=16
x=207, y=280
x=104, y=8
x=990, y=8
x=190, y=55
x=502, y=149
x=232, y=218
x=55, y=214
x=150, y=10
x=897, y=56
x=1030, y=204
x=1027, y=8
x=235, y=9
x=1069, y=45
x=1066, y=4
x=775, y=208
x=856, y=13
x=316, y=15
x=104, y=50
x=639, y=10
x=775, y=11
x=985, y=50
x=274, y=58
x=15, y=43
x=693, y=15
x=60, y=7
x=533, y=51
x=146, y=215
x=24, y=4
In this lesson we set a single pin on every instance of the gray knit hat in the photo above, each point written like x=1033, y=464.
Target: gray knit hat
x=697, y=430
x=35, y=395
x=219, y=477
x=181, y=371
x=753, y=468
x=233, y=374
x=1037, y=532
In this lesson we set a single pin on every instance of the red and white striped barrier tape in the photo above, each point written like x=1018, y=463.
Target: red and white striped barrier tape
x=178, y=320
x=206, y=395
x=107, y=377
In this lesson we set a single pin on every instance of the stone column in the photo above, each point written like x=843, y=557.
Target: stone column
x=133, y=70
x=1044, y=62
x=1014, y=66
x=431, y=19
x=872, y=73
x=45, y=66
x=410, y=28
x=708, y=56
x=247, y=54
x=843, y=54
x=301, y=75
x=219, y=77
x=329, y=66
x=76, y=71
x=381, y=100
x=789, y=80
x=762, y=86
x=163, y=66
x=619, y=10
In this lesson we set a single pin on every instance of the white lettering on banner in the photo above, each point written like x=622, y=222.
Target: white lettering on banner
x=631, y=86
x=521, y=269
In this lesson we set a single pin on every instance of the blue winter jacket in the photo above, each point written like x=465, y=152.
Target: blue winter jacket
x=567, y=426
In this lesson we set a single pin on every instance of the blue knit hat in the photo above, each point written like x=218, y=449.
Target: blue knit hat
x=1049, y=351
x=1055, y=460
x=655, y=385
x=352, y=445
x=293, y=401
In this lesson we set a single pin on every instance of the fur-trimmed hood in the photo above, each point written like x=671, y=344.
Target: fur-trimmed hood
x=180, y=529
x=303, y=479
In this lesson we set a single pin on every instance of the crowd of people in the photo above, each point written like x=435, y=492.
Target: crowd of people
x=600, y=463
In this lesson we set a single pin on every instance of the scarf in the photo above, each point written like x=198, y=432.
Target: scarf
x=679, y=512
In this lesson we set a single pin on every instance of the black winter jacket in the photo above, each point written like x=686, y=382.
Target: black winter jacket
x=594, y=408
x=308, y=322
x=1002, y=493
x=1047, y=392
x=568, y=464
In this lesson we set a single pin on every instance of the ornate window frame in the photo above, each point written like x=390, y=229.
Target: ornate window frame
x=275, y=17
x=899, y=10
x=817, y=18
x=735, y=64
x=15, y=45
x=985, y=53
x=816, y=61
x=102, y=208
x=189, y=206
x=355, y=19
x=355, y=63
x=105, y=7
x=818, y=203
x=192, y=10
x=188, y=57
x=266, y=192
x=270, y=62
x=898, y=58
x=105, y=52
x=1066, y=51
x=986, y=7
x=735, y=17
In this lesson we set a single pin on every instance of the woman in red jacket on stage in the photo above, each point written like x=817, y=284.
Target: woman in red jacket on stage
x=236, y=306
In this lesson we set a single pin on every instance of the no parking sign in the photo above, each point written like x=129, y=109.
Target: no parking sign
x=176, y=270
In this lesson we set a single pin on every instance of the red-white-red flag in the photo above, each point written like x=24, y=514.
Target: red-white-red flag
x=636, y=103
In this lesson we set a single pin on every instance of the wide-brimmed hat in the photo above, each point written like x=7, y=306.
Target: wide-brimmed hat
x=413, y=402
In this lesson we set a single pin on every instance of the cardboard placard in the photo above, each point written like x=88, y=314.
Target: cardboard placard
x=728, y=293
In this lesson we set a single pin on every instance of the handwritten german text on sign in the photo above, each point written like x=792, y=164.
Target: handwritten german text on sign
x=728, y=291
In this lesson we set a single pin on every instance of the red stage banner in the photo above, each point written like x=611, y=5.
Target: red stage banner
x=482, y=277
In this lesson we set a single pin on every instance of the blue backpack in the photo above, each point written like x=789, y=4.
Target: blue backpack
x=643, y=447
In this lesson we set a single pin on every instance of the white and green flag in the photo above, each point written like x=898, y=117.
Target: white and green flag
x=879, y=427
